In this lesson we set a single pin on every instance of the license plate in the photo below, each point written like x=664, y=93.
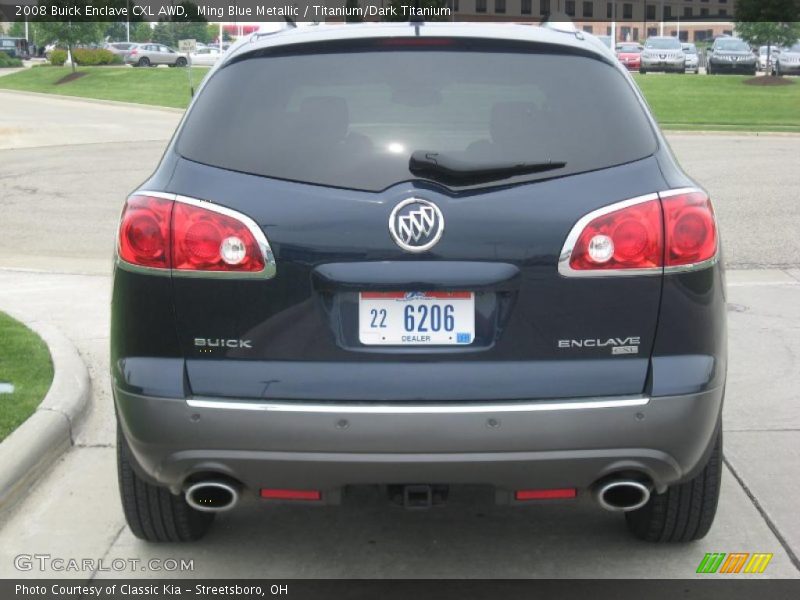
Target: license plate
x=416, y=318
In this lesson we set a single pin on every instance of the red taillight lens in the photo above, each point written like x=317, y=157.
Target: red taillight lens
x=206, y=240
x=671, y=229
x=144, y=232
x=691, y=228
x=184, y=236
x=628, y=238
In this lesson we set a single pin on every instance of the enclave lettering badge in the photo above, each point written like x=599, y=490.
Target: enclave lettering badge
x=628, y=345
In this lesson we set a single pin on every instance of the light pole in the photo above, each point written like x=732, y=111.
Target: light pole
x=128, y=21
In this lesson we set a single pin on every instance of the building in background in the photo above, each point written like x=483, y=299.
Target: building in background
x=690, y=20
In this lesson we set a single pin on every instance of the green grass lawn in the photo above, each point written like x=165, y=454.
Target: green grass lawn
x=678, y=101
x=25, y=363
x=159, y=86
x=721, y=102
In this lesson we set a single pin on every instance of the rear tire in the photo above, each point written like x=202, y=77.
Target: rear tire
x=144, y=62
x=181, y=62
x=685, y=512
x=153, y=513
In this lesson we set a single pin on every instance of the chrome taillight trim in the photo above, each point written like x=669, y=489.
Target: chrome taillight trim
x=565, y=270
x=270, y=267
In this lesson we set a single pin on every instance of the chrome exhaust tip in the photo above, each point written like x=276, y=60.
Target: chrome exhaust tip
x=622, y=495
x=212, y=496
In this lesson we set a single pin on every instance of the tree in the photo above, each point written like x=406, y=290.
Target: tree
x=768, y=22
x=69, y=33
x=141, y=32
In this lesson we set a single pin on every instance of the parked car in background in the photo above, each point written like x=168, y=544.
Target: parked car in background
x=119, y=48
x=15, y=47
x=152, y=55
x=290, y=315
x=730, y=55
x=663, y=54
x=767, y=58
x=205, y=57
x=788, y=62
x=692, y=58
x=630, y=55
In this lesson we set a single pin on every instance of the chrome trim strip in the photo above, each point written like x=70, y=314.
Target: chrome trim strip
x=268, y=272
x=564, y=268
x=421, y=409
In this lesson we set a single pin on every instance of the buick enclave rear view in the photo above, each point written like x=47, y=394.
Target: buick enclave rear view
x=415, y=257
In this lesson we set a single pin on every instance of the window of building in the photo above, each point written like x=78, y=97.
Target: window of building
x=588, y=29
x=652, y=31
x=569, y=7
x=609, y=10
x=667, y=12
x=635, y=34
x=683, y=36
x=650, y=12
x=625, y=33
x=544, y=7
x=588, y=9
x=703, y=12
x=526, y=7
x=627, y=10
x=723, y=12
x=480, y=6
x=687, y=11
x=500, y=6
x=608, y=30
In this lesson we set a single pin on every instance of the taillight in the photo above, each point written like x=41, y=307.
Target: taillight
x=206, y=240
x=690, y=228
x=144, y=232
x=630, y=237
x=188, y=236
x=652, y=234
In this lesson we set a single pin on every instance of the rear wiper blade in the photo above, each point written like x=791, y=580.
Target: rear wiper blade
x=447, y=169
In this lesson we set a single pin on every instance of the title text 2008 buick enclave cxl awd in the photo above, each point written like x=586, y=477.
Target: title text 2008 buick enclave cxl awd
x=415, y=256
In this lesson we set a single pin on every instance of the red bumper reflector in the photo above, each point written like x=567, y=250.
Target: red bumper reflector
x=272, y=494
x=545, y=494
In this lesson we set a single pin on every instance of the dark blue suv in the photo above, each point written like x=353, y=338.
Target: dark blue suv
x=416, y=256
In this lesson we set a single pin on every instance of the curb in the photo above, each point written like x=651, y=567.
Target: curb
x=117, y=103
x=31, y=448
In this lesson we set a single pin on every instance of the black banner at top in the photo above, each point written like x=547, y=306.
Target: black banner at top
x=255, y=11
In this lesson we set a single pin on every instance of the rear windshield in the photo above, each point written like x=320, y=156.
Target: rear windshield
x=353, y=120
x=629, y=48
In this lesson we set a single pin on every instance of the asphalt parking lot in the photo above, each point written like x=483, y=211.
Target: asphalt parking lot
x=65, y=168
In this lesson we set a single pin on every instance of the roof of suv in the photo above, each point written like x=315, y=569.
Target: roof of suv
x=499, y=31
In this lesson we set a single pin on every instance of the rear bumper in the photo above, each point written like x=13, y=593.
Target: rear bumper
x=539, y=444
